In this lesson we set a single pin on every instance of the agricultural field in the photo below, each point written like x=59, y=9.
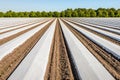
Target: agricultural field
x=59, y=48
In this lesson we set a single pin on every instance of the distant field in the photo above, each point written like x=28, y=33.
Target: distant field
x=60, y=48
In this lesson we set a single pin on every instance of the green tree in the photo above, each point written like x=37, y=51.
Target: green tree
x=50, y=14
x=56, y=14
x=68, y=13
x=20, y=14
x=99, y=13
x=1, y=14
x=92, y=13
x=74, y=14
x=118, y=13
x=104, y=13
x=8, y=13
x=62, y=14
x=37, y=14
x=87, y=13
x=14, y=14
x=113, y=9
x=32, y=14
x=81, y=13
x=111, y=13
x=44, y=14
x=78, y=12
x=26, y=14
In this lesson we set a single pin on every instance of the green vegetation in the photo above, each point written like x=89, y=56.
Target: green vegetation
x=79, y=12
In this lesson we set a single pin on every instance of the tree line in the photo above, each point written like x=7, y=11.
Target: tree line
x=78, y=12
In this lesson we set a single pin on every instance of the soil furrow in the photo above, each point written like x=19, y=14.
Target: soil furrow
x=10, y=62
x=107, y=60
x=58, y=65
x=103, y=29
x=105, y=26
x=100, y=34
x=2, y=41
x=18, y=27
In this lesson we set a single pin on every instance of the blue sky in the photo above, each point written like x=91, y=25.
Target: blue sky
x=55, y=5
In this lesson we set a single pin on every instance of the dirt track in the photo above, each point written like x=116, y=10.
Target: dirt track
x=58, y=66
x=2, y=41
x=18, y=27
x=12, y=60
x=61, y=65
x=104, y=29
x=108, y=61
x=99, y=34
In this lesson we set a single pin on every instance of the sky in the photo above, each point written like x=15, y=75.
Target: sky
x=55, y=5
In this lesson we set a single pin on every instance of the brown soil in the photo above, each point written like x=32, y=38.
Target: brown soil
x=12, y=60
x=102, y=28
x=99, y=34
x=2, y=41
x=107, y=60
x=109, y=27
x=58, y=65
x=18, y=27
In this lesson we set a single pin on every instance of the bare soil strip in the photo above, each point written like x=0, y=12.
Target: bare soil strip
x=103, y=25
x=99, y=34
x=109, y=27
x=58, y=65
x=18, y=28
x=102, y=28
x=2, y=41
x=9, y=63
x=16, y=25
x=107, y=60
